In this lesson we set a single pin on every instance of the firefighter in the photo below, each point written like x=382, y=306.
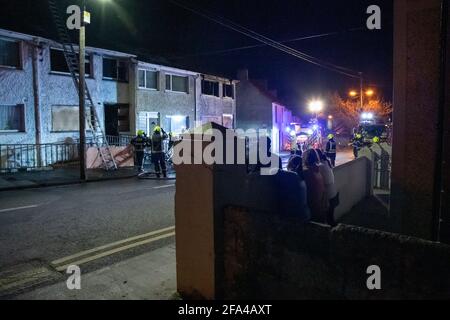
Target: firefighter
x=139, y=143
x=331, y=150
x=357, y=143
x=158, y=154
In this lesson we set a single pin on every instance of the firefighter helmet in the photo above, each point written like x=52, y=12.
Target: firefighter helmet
x=157, y=129
x=140, y=132
x=376, y=140
x=330, y=136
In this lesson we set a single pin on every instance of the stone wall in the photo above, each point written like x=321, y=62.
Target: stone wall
x=267, y=256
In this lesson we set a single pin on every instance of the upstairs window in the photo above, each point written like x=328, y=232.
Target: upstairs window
x=177, y=83
x=58, y=62
x=115, y=69
x=210, y=88
x=228, y=91
x=9, y=53
x=12, y=118
x=148, y=79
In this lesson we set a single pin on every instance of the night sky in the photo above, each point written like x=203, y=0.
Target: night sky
x=157, y=28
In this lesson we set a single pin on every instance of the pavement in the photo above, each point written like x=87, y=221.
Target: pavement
x=60, y=176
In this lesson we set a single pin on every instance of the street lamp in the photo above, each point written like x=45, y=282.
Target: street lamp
x=370, y=93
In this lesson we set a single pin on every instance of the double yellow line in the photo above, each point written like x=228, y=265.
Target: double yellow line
x=112, y=248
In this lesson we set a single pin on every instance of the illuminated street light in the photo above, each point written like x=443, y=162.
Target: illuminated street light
x=370, y=93
x=353, y=93
x=316, y=106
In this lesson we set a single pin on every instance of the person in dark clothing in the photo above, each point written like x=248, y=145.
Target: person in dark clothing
x=140, y=142
x=357, y=143
x=331, y=150
x=158, y=154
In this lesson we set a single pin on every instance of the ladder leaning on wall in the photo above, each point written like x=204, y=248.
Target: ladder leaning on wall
x=98, y=135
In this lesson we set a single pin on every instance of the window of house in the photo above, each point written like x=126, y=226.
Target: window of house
x=177, y=83
x=228, y=121
x=9, y=53
x=148, y=79
x=228, y=91
x=210, y=88
x=65, y=118
x=12, y=118
x=177, y=124
x=115, y=69
x=58, y=62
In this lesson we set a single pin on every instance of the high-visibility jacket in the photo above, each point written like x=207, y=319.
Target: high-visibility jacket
x=331, y=147
x=157, y=141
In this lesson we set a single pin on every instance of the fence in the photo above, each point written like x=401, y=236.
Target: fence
x=119, y=141
x=382, y=171
x=31, y=157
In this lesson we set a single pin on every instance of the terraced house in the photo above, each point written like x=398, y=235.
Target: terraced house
x=39, y=102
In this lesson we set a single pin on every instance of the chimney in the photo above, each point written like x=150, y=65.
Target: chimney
x=242, y=75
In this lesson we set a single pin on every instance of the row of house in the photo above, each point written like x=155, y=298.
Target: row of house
x=39, y=103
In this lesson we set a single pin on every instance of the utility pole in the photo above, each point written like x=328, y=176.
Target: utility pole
x=361, y=93
x=82, y=94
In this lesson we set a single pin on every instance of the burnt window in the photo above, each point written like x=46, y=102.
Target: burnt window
x=58, y=62
x=210, y=88
x=9, y=53
x=115, y=69
x=228, y=91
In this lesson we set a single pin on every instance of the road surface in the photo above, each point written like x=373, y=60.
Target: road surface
x=41, y=226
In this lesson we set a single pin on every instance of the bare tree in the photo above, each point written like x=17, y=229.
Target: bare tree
x=347, y=112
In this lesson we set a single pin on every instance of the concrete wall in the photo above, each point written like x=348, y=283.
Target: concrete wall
x=16, y=87
x=416, y=100
x=354, y=183
x=268, y=257
x=199, y=214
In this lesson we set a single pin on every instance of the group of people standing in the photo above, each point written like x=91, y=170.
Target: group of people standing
x=314, y=169
x=155, y=142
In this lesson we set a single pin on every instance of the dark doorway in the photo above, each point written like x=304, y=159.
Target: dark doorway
x=117, y=119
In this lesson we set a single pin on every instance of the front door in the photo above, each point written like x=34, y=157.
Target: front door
x=117, y=119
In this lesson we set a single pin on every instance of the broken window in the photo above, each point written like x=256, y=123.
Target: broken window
x=58, y=62
x=9, y=53
x=228, y=91
x=12, y=118
x=210, y=88
x=115, y=69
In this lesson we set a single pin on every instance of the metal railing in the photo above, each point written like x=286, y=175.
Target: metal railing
x=119, y=141
x=29, y=157
x=382, y=171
